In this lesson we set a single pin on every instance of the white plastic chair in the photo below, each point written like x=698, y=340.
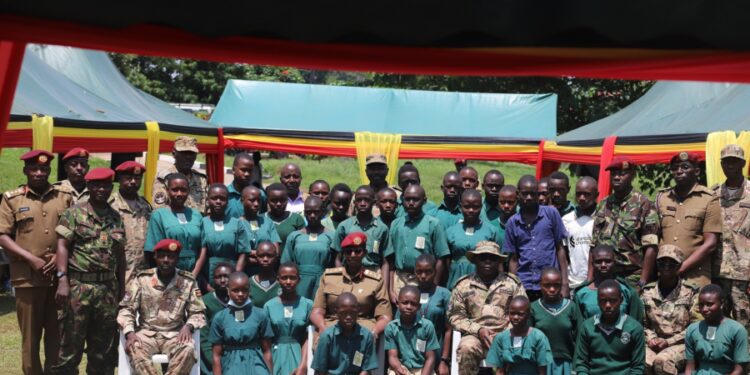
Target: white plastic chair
x=454, y=358
x=382, y=363
x=124, y=363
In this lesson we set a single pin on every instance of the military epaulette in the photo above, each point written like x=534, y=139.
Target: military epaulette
x=716, y=187
x=691, y=285
x=149, y=272
x=513, y=277
x=198, y=172
x=373, y=275
x=650, y=285
x=334, y=271
x=186, y=274
x=464, y=277
x=15, y=192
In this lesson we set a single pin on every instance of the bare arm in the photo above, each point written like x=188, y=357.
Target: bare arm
x=338, y=261
x=649, y=260
x=440, y=271
x=395, y=364
x=202, y=256
x=63, y=285
x=266, y=345
x=380, y=324
x=302, y=368
x=513, y=264
x=241, y=261
x=737, y=370
x=700, y=255
x=218, y=350
x=689, y=367
x=562, y=257
x=12, y=247
x=429, y=363
x=318, y=319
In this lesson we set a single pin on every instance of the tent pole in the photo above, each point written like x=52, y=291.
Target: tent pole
x=540, y=160
x=608, y=153
x=218, y=175
x=11, y=58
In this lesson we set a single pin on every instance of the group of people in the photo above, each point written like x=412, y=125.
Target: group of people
x=533, y=282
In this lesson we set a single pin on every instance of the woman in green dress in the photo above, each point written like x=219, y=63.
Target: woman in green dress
x=264, y=285
x=261, y=227
x=311, y=248
x=290, y=315
x=215, y=302
x=241, y=334
x=177, y=222
x=434, y=301
x=285, y=221
x=224, y=239
x=464, y=236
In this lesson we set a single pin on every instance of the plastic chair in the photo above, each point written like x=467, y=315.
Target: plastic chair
x=382, y=363
x=124, y=363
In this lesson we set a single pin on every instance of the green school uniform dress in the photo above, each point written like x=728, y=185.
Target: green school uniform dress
x=312, y=254
x=284, y=228
x=446, y=216
x=260, y=293
x=241, y=339
x=260, y=229
x=411, y=342
x=213, y=306
x=559, y=323
x=377, y=238
x=167, y=224
x=718, y=355
x=462, y=239
x=520, y=355
x=234, y=203
x=409, y=237
x=224, y=241
x=289, y=324
x=586, y=299
x=339, y=354
x=618, y=350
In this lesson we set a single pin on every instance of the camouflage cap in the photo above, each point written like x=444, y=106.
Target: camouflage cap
x=733, y=151
x=185, y=143
x=375, y=159
x=485, y=247
x=671, y=251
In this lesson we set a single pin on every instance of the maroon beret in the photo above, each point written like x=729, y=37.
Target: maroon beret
x=37, y=157
x=169, y=245
x=621, y=162
x=100, y=174
x=131, y=167
x=354, y=239
x=691, y=157
x=77, y=152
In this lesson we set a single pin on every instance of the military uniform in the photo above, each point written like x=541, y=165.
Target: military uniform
x=368, y=286
x=30, y=219
x=78, y=197
x=475, y=305
x=162, y=310
x=93, y=245
x=197, y=181
x=135, y=216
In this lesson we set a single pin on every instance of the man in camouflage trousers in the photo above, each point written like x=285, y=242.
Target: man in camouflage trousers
x=668, y=316
x=185, y=152
x=476, y=316
x=732, y=258
x=627, y=221
x=91, y=272
x=135, y=212
x=169, y=309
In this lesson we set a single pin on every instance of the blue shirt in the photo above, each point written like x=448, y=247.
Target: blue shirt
x=234, y=203
x=534, y=243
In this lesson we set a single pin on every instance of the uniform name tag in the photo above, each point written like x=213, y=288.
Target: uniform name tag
x=375, y=246
x=470, y=231
x=239, y=315
x=358, y=357
x=181, y=218
x=313, y=237
x=517, y=342
x=23, y=209
x=253, y=225
x=711, y=333
x=419, y=243
x=219, y=226
x=424, y=298
x=421, y=345
x=288, y=312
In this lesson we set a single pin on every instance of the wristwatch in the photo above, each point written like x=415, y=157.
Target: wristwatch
x=61, y=274
x=190, y=327
x=447, y=360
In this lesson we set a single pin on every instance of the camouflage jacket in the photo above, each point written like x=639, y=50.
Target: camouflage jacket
x=197, y=181
x=474, y=305
x=81, y=197
x=732, y=261
x=628, y=226
x=161, y=308
x=135, y=220
x=94, y=241
x=668, y=317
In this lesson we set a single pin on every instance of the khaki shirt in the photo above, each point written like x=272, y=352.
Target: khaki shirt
x=81, y=197
x=732, y=260
x=368, y=287
x=474, y=305
x=161, y=308
x=684, y=222
x=31, y=220
x=197, y=181
x=668, y=317
x=135, y=220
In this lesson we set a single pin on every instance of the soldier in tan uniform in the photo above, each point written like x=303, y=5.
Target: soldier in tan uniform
x=732, y=260
x=479, y=305
x=690, y=218
x=28, y=217
x=169, y=309
x=76, y=164
x=135, y=212
x=671, y=305
x=185, y=151
x=368, y=286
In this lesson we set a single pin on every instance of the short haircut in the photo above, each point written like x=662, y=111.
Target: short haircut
x=366, y=188
x=217, y=185
x=242, y=156
x=603, y=249
x=267, y=243
x=471, y=193
x=250, y=188
x=550, y=270
x=341, y=187
x=319, y=182
x=509, y=189
x=468, y=168
x=289, y=265
x=276, y=186
x=426, y=258
x=385, y=190
x=525, y=179
x=313, y=199
x=346, y=296
x=494, y=171
x=175, y=176
x=408, y=167
x=588, y=180
x=408, y=289
x=557, y=175
x=523, y=299
x=610, y=284
x=238, y=276
x=544, y=180
x=450, y=174
x=713, y=289
x=223, y=265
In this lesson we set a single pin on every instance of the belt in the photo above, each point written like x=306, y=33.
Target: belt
x=92, y=276
x=241, y=347
x=310, y=269
x=286, y=340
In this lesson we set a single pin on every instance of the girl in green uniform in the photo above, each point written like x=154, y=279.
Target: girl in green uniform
x=215, y=301
x=464, y=235
x=715, y=345
x=241, y=334
x=311, y=248
x=557, y=318
x=261, y=227
x=285, y=221
x=521, y=350
x=263, y=285
x=177, y=222
x=290, y=315
x=224, y=238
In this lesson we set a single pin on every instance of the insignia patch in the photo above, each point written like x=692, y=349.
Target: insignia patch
x=625, y=165
x=160, y=198
x=82, y=154
x=173, y=246
x=625, y=338
x=357, y=241
x=43, y=158
x=137, y=170
x=683, y=156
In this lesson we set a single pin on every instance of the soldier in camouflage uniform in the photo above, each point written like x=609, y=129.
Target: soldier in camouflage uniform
x=91, y=272
x=76, y=165
x=135, y=212
x=479, y=305
x=667, y=317
x=732, y=259
x=185, y=151
x=627, y=221
x=169, y=309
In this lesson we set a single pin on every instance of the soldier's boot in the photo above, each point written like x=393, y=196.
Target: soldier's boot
x=469, y=355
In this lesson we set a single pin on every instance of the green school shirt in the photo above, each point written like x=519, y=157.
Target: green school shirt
x=260, y=229
x=559, y=324
x=621, y=352
x=224, y=242
x=409, y=238
x=490, y=212
x=336, y=351
x=411, y=342
x=377, y=238
x=524, y=359
x=213, y=306
x=717, y=356
x=462, y=239
x=241, y=339
x=284, y=228
x=312, y=254
x=260, y=295
x=234, y=203
x=446, y=216
x=289, y=332
x=586, y=300
x=165, y=224
x=435, y=310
